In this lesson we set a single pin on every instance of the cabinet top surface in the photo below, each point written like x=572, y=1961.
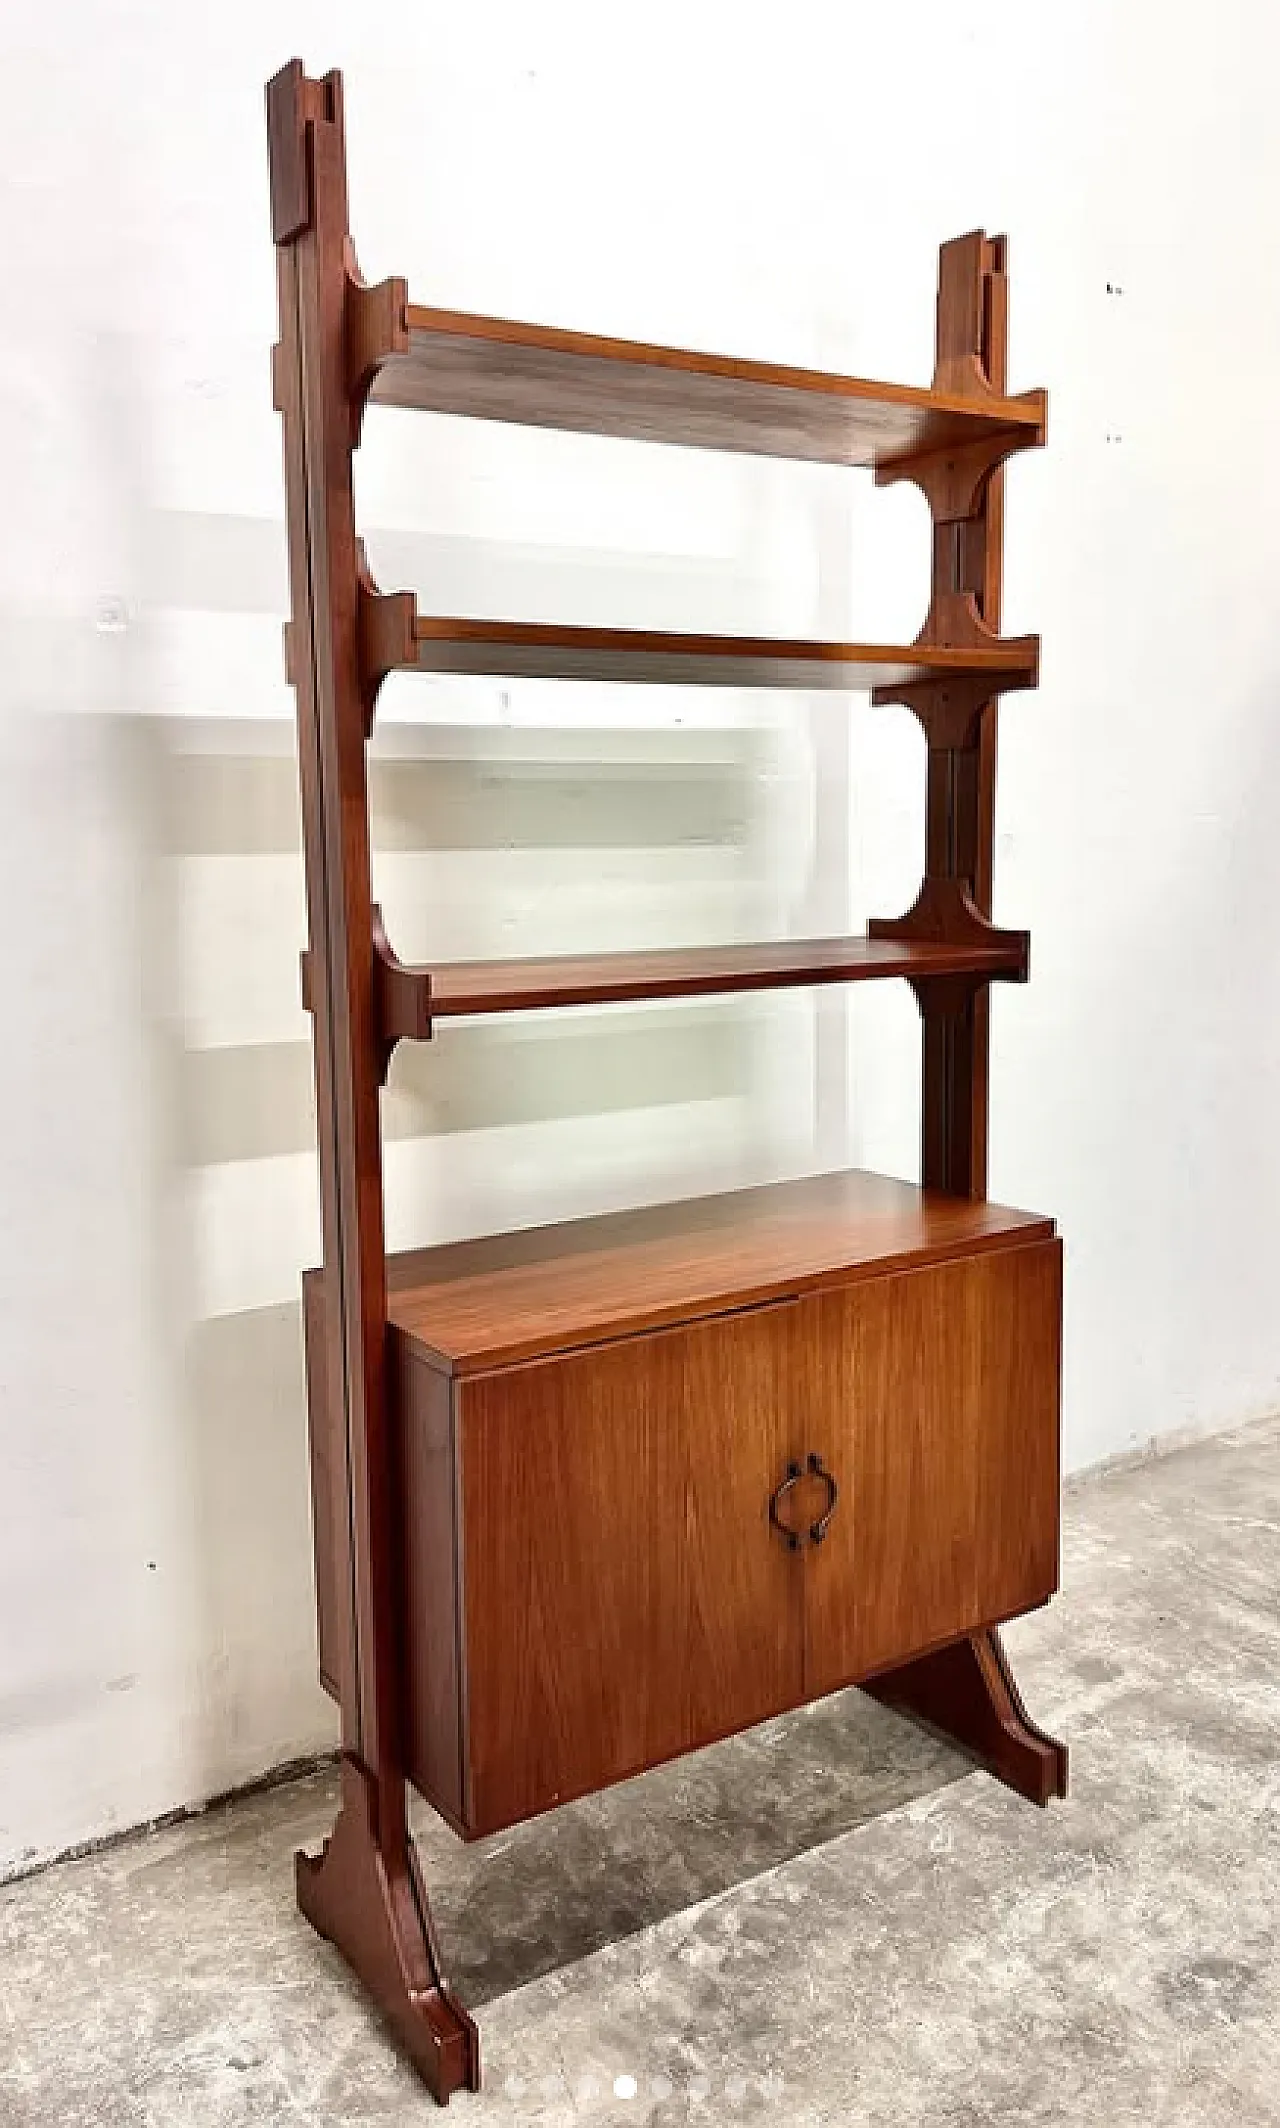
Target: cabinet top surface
x=473, y=1305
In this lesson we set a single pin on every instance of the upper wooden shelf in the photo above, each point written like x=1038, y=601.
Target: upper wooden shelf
x=465, y=988
x=498, y=370
x=477, y=1304
x=547, y=651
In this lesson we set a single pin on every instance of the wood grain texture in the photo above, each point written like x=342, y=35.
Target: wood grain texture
x=501, y=370
x=460, y=989
x=325, y=1427
x=507, y=1298
x=972, y=339
x=626, y=1598
x=935, y=1402
x=429, y=1584
x=364, y=1891
x=539, y=650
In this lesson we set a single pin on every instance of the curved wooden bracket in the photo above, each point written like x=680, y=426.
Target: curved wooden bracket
x=967, y=1692
x=376, y=1913
x=376, y=326
x=949, y=711
x=954, y=482
x=953, y=622
x=385, y=623
x=402, y=997
x=945, y=912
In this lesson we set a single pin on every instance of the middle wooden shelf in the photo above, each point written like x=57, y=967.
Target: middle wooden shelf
x=396, y=637
x=412, y=998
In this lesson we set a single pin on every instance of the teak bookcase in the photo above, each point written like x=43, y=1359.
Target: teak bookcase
x=590, y=1496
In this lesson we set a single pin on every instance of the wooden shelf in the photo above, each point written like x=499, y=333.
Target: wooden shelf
x=509, y=1297
x=499, y=370
x=550, y=651
x=468, y=988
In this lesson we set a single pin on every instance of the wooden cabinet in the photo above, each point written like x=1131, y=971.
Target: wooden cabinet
x=595, y=1524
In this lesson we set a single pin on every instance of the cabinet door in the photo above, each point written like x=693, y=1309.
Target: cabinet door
x=935, y=1399
x=625, y=1597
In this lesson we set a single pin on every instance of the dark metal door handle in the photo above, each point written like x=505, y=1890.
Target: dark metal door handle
x=792, y=1537
x=818, y=1469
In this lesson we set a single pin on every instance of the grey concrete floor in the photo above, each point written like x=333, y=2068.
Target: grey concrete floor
x=830, y=1920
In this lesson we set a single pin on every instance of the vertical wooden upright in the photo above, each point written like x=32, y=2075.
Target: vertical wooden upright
x=967, y=1689
x=365, y=1890
x=965, y=492
x=968, y=559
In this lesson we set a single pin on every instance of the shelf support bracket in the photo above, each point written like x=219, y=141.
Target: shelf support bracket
x=403, y=997
x=384, y=622
x=376, y=327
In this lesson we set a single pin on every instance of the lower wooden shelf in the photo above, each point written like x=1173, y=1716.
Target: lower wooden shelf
x=665, y=1473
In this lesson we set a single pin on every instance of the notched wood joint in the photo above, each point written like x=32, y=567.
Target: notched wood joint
x=287, y=148
x=279, y=379
x=954, y=481
x=944, y=913
x=949, y=711
x=953, y=622
x=376, y=327
x=387, y=642
x=402, y=998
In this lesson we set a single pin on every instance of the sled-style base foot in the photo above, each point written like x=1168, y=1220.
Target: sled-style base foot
x=376, y=1913
x=967, y=1693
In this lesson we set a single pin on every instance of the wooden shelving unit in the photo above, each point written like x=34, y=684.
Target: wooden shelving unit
x=588, y=1497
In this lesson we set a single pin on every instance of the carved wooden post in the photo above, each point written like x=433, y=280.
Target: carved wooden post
x=965, y=491
x=364, y=1891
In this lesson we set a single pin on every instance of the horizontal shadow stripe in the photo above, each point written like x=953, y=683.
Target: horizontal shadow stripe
x=256, y=1101
x=246, y=805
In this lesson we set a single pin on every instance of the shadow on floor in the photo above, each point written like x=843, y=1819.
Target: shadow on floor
x=523, y=1903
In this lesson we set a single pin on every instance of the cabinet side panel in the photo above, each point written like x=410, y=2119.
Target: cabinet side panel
x=429, y=1599
x=322, y=1420
x=1019, y=1490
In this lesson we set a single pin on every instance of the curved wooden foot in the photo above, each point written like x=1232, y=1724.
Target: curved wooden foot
x=378, y=1917
x=967, y=1692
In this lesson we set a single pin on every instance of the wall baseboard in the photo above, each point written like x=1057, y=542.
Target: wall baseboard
x=275, y=1777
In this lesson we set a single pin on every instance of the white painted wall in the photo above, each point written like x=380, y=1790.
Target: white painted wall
x=771, y=182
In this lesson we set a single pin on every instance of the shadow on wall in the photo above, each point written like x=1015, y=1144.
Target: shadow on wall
x=540, y=839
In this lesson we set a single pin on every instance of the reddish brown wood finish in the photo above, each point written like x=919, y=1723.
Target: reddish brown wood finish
x=624, y=1596
x=637, y=1482
x=370, y=1902
x=500, y=370
x=475, y=1305
x=411, y=1000
x=426, y=1476
x=364, y=1891
x=554, y=651
x=328, y=1485
x=938, y=1395
x=967, y=1693
x=608, y=1586
x=972, y=350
